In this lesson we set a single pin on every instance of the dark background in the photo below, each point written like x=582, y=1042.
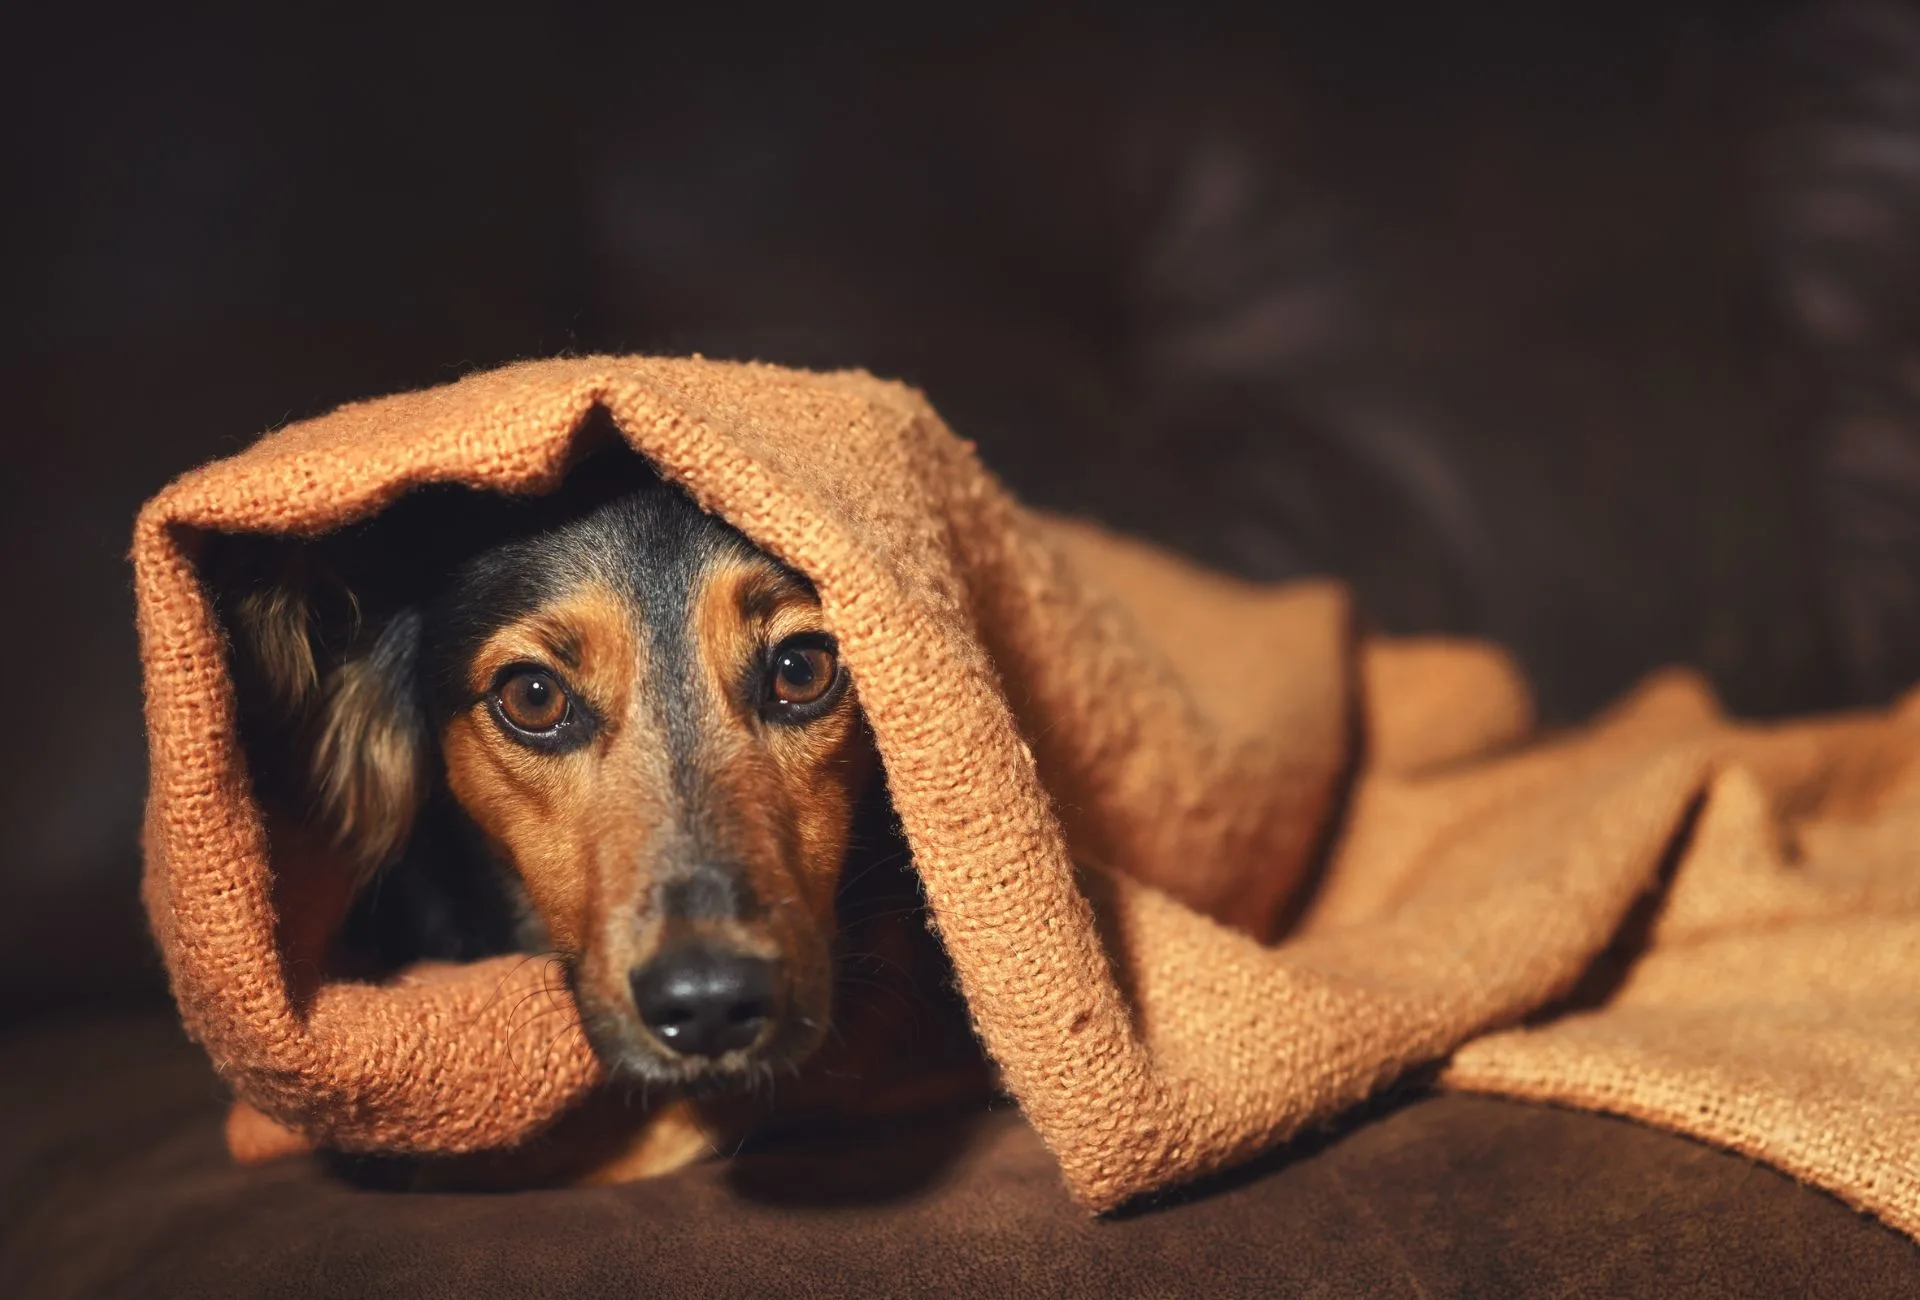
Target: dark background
x=1590, y=328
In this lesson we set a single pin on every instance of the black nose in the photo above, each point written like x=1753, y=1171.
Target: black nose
x=703, y=1001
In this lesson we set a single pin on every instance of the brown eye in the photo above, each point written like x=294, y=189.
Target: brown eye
x=531, y=699
x=800, y=679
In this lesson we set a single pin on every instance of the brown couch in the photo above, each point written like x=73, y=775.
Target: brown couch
x=1426, y=1196
x=1589, y=331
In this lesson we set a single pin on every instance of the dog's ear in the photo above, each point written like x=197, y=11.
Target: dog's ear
x=367, y=761
x=272, y=628
x=337, y=715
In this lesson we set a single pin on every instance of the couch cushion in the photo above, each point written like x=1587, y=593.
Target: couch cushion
x=113, y=1180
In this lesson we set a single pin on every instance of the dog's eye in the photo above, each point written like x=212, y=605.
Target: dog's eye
x=532, y=700
x=801, y=679
x=802, y=675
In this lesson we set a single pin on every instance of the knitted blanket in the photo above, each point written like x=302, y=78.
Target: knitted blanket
x=1210, y=868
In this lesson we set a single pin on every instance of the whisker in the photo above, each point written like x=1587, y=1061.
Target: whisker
x=879, y=960
x=506, y=977
x=831, y=1028
x=853, y=982
x=890, y=860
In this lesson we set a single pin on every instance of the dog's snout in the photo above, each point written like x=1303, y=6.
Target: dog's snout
x=707, y=892
x=705, y=1001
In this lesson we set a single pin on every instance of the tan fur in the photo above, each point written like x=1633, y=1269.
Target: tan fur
x=671, y=1137
x=590, y=830
x=565, y=822
x=819, y=770
x=587, y=830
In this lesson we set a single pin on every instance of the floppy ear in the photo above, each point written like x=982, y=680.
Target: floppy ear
x=342, y=701
x=367, y=764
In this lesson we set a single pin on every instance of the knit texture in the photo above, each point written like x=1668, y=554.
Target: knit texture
x=1119, y=775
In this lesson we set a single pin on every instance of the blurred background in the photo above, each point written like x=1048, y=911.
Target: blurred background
x=1592, y=328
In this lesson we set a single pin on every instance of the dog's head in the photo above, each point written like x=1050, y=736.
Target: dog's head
x=645, y=718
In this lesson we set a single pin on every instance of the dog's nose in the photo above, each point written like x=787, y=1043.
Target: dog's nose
x=702, y=1001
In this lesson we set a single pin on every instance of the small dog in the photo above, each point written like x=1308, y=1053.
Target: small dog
x=607, y=726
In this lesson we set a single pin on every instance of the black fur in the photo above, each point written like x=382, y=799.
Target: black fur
x=414, y=594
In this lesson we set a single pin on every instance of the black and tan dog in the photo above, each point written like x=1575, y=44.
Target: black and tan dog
x=606, y=726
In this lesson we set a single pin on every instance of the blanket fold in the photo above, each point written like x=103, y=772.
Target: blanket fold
x=1709, y=926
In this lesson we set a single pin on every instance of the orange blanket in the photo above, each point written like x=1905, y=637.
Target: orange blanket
x=1708, y=926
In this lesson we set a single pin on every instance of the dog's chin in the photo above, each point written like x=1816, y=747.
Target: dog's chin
x=630, y=1056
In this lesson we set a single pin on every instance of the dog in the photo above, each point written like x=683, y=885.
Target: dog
x=606, y=726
